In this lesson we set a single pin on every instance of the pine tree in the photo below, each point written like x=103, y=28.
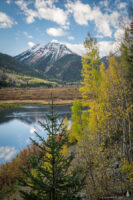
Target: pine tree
x=51, y=176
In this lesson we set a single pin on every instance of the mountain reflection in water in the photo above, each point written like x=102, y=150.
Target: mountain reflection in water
x=17, y=125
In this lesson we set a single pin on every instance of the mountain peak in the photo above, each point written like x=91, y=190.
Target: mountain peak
x=54, y=49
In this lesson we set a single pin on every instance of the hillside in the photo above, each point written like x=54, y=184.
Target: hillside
x=8, y=63
x=55, y=60
x=17, y=74
x=68, y=68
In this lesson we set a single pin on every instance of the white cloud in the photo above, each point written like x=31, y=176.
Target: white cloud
x=113, y=19
x=104, y=3
x=31, y=44
x=44, y=10
x=119, y=34
x=29, y=13
x=47, y=10
x=76, y=48
x=122, y=5
x=102, y=22
x=6, y=21
x=27, y=35
x=56, y=32
x=105, y=47
x=83, y=14
x=118, y=37
x=8, y=1
x=7, y=153
x=55, y=41
x=71, y=38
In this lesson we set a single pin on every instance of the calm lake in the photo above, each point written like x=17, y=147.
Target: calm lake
x=18, y=125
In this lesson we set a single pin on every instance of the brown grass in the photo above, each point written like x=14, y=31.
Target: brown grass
x=39, y=95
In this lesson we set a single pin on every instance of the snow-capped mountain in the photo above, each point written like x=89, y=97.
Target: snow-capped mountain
x=52, y=51
x=54, y=60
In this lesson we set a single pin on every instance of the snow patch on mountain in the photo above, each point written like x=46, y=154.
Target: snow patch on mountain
x=53, y=49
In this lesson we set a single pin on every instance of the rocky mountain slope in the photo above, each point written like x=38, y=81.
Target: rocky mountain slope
x=54, y=51
x=55, y=60
x=68, y=68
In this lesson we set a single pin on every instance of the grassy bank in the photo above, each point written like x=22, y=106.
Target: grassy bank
x=15, y=97
x=9, y=105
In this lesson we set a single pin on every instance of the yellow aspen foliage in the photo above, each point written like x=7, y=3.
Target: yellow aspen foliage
x=105, y=134
x=79, y=121
x=65, y=150
x=127, y=169
x=90, y=71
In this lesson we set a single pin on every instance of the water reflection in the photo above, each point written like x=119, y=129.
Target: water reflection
x=17, y=125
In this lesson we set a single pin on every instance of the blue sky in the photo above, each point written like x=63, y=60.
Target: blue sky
x=24, y=23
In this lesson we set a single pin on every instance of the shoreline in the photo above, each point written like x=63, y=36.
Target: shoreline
x=12, y=97
x=41, y=102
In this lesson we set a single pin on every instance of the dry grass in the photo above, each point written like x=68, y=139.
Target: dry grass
x=39, y=95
